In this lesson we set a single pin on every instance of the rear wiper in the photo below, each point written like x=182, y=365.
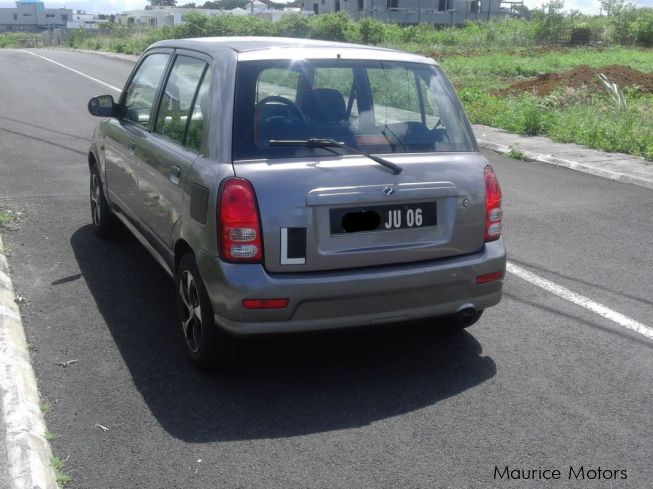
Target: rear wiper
x=332, y=143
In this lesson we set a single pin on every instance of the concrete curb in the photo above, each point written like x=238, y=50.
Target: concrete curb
x=28, y=452
x=130, y=58
x=573, y=165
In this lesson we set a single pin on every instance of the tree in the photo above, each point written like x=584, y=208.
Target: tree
x=163, y=3
x=226, y=4
x=521, y=9
x=281, y=5
x=554, y=7
x=613, y=7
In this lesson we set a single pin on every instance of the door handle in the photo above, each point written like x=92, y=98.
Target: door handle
x=175, y=174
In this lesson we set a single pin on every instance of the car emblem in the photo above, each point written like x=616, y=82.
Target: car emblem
x=389, y=190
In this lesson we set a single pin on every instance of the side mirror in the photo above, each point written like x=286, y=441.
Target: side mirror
x=103, y=106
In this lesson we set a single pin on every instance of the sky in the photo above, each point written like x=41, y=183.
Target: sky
x=114, y=6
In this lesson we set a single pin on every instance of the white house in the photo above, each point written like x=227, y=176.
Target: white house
x=82, y=20
x=170, y=16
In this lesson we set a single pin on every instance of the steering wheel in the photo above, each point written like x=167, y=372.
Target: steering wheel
x=291, y=108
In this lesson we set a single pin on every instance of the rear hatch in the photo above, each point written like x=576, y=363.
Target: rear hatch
x=346, y=212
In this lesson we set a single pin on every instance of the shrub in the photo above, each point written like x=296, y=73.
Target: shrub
x=332, y=27
x=292, y=26
x=372, y=31
x=641, y=29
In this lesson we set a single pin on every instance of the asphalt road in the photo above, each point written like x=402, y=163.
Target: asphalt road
x=539, y=382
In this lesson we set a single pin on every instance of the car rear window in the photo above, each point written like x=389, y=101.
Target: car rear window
x=376, y=106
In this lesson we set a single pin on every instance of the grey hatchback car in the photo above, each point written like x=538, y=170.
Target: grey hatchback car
x=293, y=185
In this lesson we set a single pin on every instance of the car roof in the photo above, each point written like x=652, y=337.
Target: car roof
x=256, y=48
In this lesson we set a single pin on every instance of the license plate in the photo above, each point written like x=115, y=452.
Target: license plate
x=383, y=218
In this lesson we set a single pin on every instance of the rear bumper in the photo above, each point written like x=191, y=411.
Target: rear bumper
x=331, y=300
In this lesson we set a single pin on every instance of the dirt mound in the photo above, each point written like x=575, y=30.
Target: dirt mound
x=584, y=75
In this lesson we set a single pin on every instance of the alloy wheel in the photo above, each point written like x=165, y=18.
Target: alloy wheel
x=191, y=311
x=95, y=199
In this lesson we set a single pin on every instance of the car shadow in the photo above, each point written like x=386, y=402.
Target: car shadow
x=282, y=386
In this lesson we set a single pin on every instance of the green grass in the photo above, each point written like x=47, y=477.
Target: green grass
x=45, y=407
x=14, y=39
x=499, y=69
x=579, y=116
x=50, y=436
x=516, y=154
x=59, y=465
x=582, y=116
x=6, y=217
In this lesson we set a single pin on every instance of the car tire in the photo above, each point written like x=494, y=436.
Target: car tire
x=463, y=319
x=105, y=222
x=206, y=343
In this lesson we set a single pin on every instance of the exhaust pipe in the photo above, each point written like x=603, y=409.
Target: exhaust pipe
x=466, y=317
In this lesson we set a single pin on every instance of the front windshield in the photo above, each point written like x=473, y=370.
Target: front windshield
x=379, y=107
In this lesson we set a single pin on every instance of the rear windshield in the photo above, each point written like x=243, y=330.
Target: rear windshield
x=376, y=106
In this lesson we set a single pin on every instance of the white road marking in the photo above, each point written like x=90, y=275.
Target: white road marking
x=580, y=300
x=75, y=71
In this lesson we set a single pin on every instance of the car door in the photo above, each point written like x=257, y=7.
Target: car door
x=166, y=155
x=124, y=134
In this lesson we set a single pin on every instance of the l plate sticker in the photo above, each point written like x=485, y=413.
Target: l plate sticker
x=293, y=246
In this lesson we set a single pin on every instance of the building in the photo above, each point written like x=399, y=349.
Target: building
x=32, y=16
x=410, y=12
x=81, y=20
x=171, y=16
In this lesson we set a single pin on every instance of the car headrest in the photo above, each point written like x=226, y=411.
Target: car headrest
x=325, y=105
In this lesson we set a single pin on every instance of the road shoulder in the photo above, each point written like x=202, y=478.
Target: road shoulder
x=28, y=453
x=614, y=166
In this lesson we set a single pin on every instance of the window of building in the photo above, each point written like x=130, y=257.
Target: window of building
x=27, y=15
x=64, y=18
x=336, y=6
x=361, y=4
x=442, y=5
x=315, y=8
x=475, y=7
x=392, y=4
x=15, y=16
x=49, y=16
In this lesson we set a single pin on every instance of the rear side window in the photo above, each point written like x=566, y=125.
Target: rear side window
x=180, y=101
x=139, y=95
x=199, y=115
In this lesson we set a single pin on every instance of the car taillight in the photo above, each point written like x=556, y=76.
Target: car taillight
x=489, y=277
x=493, y=212
x=238, y=222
